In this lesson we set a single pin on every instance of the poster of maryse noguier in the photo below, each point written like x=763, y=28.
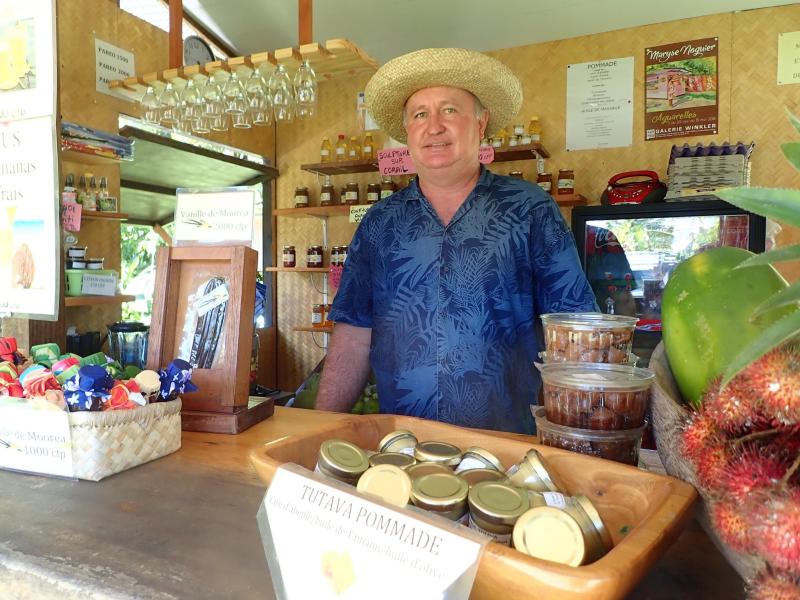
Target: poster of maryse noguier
x=681, y=96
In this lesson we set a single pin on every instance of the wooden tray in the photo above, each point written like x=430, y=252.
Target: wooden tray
x=644, y=512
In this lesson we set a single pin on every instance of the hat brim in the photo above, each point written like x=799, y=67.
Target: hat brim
x=489, y=80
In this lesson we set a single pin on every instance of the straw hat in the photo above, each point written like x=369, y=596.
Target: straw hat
x=487, y=78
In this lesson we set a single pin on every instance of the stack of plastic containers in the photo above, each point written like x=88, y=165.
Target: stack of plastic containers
x=595, y=400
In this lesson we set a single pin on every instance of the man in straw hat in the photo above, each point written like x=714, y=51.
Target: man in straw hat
x=446, y=279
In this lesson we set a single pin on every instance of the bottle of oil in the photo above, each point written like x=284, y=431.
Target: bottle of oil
x=341, y=148
x=354, y=150
x=368, y=149
x=81, y=189
x=325, y=150
x=535, y=130
x=91, y=195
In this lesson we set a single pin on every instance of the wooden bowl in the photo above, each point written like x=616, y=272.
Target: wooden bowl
x=644, y=512
x=668, y=416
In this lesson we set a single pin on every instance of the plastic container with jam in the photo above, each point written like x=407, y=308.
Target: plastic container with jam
x=373, y=193
x=400, y=440
x=478, y=458
x=545, y=181
x=618, y=445
x=388, y=482
x=595, y=395
x=532, y=473
x=442, y=493
x=588, y=337
x=438, y=452
x=289, y=257
x=342, y=460
x=566, y=181
x=494, y=509
x=301, y=197
x=76, y=252
x=351, y=193
x=94, y=264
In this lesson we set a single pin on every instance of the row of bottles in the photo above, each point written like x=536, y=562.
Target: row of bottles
x=519, y=136
x=343, y=150
x=349, y=194
x=90, y=196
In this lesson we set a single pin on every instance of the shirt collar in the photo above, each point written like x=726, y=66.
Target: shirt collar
x=485, y=181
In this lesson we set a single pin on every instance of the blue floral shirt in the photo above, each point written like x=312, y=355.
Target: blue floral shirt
x=454, y=310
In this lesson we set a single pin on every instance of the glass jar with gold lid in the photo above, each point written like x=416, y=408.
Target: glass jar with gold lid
x=397, y=459
x=494, y=508
x=551, y=534
x=438, y=452
x=388, y=482
x=341, y=460
x=442, y=493
x=478, y=458
x=531, y=473
x=473, y=476
x=421, y=469
x=401, y=440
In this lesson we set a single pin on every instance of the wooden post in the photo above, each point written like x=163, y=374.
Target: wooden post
x=175, y=34
x=305, y=22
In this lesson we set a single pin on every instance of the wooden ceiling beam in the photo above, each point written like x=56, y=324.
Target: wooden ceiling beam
x=175, y=34
x=305, y=22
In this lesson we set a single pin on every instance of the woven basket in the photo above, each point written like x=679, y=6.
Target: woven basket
x=104, y=443
x=669, y=415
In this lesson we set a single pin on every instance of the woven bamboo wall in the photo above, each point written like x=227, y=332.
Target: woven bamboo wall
x=751, y=108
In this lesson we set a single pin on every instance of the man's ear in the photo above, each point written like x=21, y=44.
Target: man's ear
x=482, y=122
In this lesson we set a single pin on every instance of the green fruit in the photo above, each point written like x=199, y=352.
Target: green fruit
x=358, y=408
x=372, y=406
x=706, y=311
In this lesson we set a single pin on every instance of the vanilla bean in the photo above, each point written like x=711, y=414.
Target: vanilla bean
x=791, y=471
x=756, y=435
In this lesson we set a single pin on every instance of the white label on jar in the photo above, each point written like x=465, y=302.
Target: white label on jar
x=351, y=196
x=325, y=197
x=301, y=200
x=512, y=141
x=512, y=469
x=545, y=185
x=497, y=144
x=500, y=538
x=352, y=154
x=535, y=137
x=288, y=257
x=316, y=317
x=566, y=184
x=526, y=139
x=555, y=499
x=324, y=153
x=470, y=463
x=386, y=193
x=519, y=130
x=367, y=149
x=372, y=196
x=340, y=152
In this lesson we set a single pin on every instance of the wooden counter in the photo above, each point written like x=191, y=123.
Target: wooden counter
x=184, y=526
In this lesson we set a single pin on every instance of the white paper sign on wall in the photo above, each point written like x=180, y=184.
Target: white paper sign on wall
x=111, y=62
x=215, y=216
x=35, y=437
x=99, y=285
x=324, y=540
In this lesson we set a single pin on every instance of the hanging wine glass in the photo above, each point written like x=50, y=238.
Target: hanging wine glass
x=241, y=120
x=233, y=93
x=258, y=99
x=151, y=105
x=283, y=101
x=212, y=97
x=305, y=87
x=170, y=112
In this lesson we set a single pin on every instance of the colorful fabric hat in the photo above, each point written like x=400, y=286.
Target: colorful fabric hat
x=87, y=388
x=36, y=380
x=489, y=80
x=123, y=397
x=176, y=379
x=10, y=386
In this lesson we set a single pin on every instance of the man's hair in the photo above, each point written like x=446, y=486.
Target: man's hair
x=479, y=109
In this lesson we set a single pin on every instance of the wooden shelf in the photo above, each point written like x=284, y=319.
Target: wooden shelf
x=313, y=211
x=297, y=269
x=87, y=158
x=312, y=329
x=103, y=216
x=342, y=167
x=570, y=200
x=527, y=152
x=96, y=300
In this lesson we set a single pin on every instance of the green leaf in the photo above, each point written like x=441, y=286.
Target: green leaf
x=791, y=151
x=773, y=336
x=782, y=205
x=794, y=120
x=773, y=256
x=789, y=295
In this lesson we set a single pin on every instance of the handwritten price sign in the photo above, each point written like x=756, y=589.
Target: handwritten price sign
x=398, y=161
x=71, y=216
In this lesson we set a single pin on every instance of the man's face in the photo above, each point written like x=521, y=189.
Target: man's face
x=443, y=129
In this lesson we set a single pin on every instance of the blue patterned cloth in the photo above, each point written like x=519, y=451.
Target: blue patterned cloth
x=454, y=310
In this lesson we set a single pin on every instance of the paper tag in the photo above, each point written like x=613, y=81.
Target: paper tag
x=357, y=212
x=35, y=437
x=71, y=216
x=395, y=161
x=335, y=276
x=500, y=538
x=324, y=540
x=486, y=155
x=98, y=285
x=554, y=499
x=217, y=296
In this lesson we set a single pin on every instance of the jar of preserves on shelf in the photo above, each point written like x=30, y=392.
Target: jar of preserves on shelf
x=388, y=187
x=327, y=195
x=317, y=315
x=334, y=256
x=342, y=255
x=301, y=197
x=326, y=321
x=566, y=181
x=513, y=141
x=351, y=193
x=289, y=257
x=314, y=256
x=545, y=181
x=373, y=193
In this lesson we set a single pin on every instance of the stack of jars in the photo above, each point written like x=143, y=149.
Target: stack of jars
x=595, y=398
x=525, y=506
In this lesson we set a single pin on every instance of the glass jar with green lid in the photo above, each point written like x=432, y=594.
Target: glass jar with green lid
x=478, y=458
x=494, y=508
x=473, y=476
x=531, y=473
x=388, y=482
x=550, y=534
x=397, y=459
x=442, y=493
x=438, y=452
x=341, y=460
x=421, y=469
x=401, y=440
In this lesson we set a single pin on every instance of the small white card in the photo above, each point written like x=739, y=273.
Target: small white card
x=98, y=285
x=35, y=437
x=357, y=212
x=324, y=540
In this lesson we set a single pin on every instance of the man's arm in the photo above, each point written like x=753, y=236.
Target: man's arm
x=346, y=368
